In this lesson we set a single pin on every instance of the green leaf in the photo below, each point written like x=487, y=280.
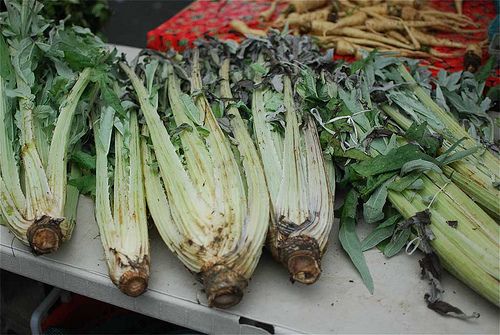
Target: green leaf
x=105, y=128
x=218, y=109
x=259, y=69
x=306, y=87
x=397, y=242
x=420, y=134
x=360, y=64
x=460, y=155
x=84, y=160
x=273, y=101
x=448, y=157
x=5, y=64
x=85, y=184
x=109, y=96
x=191, y=110
x=382, y=232
x=332, y=146
x=393, y=161
x=419, y=165
x=373, y=208
x=484, y=71
x=350, y=241
x=372, y=183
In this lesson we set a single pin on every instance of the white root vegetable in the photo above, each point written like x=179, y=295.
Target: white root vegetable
x=303, y=6
x=434, y=41
x=242, y=28
x=351, y=32
x=398, y=36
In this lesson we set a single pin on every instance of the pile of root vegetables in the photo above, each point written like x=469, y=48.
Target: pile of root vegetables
x=405, y=28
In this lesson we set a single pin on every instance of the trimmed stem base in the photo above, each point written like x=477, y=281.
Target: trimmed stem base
x=134, y=282
x=223, y=286
x=44, y=235
x=301, y=255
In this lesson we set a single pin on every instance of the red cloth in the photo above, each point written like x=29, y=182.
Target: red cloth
x=213, y=18
x=208, y=17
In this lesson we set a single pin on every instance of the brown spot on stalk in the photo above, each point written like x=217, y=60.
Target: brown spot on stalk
x=301, y=255
x=44, y=235
x=223, y=286
x=135, y=281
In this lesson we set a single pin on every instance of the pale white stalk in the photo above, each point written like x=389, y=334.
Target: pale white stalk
x=302, y=211
x=123, y=229
x=201, y=209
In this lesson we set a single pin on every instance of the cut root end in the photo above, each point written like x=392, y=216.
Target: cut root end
x=302, y=257
x=44, y=235
x=304, y=268
x=223, y=286
x=133, y=282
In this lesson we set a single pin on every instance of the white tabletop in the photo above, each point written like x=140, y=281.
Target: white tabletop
x=337, y=303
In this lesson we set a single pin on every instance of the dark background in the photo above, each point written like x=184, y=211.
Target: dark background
x=131, y=19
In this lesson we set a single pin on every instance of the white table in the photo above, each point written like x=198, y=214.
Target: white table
x=337, y=303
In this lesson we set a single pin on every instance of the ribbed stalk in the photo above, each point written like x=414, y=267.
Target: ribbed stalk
x=469, y=251
x=257, y=193
x=200, y=207
x=300, y=193
x=46, y=192
x=9, y=168
x=469, y=173
x=123, y=228
x=454, y=131
x=57, y=164
x=38, y=193
x=34, y=217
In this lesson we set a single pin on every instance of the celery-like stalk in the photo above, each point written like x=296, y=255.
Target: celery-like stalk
x=302, y=211
x=469, y=173
x=469, y=251
x=209, y=214
x=123, y=224
x=475, y=174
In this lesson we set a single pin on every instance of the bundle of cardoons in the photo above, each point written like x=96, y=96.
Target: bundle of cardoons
x=230, y=147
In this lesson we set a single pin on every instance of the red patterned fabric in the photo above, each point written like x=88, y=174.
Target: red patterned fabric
x=213, y=17
x=208, y=17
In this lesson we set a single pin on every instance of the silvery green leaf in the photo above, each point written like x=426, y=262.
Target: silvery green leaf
x=272, y=101
x=373, y=209
x=191, y=110
x=259, y=69
x=127, y=104
x=382, y=232
x=105, y=127
x=427, y=199
x=391, y=145
x=63, y=69
x=22, y=60
x=397, y=242
x=209, y=78
x=350, y=241
x=415, y=109
x=150, y=73
x=81, y=30
x=277, y=82
x=419, y=165
x=22, y=91
x=119, y=126
x=440, y=99
x=231, y=45
x=459, y=155
x=485, y=105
